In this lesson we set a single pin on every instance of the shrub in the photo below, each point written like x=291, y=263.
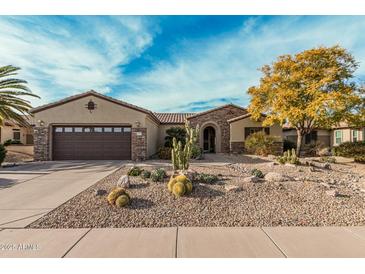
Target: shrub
x=350, y=149
x=289, y=157
x=328, y=159
x=164, y=153
x=257, y=173
x=360, y=159
x=135, y=171
x=175, y=132
x=289, y=145
x=7, y=142
x=145, y=174
x=2, y=153
x=196, y=152
x=260, y=144
x=158, y=175
x=12, y=142
x=206, y=178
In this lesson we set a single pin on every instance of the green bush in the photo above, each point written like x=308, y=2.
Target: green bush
x=257, y=173
x=350, y=149
x=164, y=153
x=135, y=171
x=2, y=153
x=158, y=175
x=175, y=132
x=206, y=178
x=145, y=174
x=260, y=144
x=360, y=159
x=12, y=142
x=289, y=157
x=289, y=145
x=196, y=152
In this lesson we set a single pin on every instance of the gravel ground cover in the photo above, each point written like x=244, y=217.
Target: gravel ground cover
x=302, y=200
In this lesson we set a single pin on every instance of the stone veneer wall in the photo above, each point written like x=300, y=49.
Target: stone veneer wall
x=41, y=144
x=219, y=116
x=139, y=144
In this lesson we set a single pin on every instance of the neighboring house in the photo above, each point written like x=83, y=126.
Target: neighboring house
x=328, y=137
x=94, y=126
x=12, y=131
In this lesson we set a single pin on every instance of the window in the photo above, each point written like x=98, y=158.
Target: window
x=117, y=129
x=355, y=135
x=58, y=129
x=78, y=129
x=87, y=129
x=107, y=129
x=250, y=130
x=98, y=129
x=311, y=138
x=68, y=129
x=16, y=134
x=126, y=129
x=338, y=136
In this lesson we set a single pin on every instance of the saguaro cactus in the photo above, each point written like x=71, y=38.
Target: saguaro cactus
x=181, y=155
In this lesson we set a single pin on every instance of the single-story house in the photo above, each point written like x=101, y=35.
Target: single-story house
x=10, y=130
x=94, y=126
x=328, y=137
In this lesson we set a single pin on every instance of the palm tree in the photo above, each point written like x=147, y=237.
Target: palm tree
x=12, y=105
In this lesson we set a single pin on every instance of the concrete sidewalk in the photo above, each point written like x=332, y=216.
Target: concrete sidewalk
x=186, y=242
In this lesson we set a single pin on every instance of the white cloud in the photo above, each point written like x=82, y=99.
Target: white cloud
x=62, y=59
x=226, y=65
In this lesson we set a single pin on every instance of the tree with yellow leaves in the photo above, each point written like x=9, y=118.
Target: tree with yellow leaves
x=312, y=89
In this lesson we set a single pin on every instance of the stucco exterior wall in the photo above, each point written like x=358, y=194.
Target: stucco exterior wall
x=152, y=136
x=7, y=133
x=238, y=129
x=75, y=112
x=347, y=135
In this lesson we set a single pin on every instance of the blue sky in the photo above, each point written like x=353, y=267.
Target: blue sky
x=164, y=63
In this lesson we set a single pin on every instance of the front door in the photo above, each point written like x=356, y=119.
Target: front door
x=209, y=139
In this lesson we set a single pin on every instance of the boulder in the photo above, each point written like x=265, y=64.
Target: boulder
x=326, y=166
x=332, y=193
x=276, y=177
x=190, y=174
x=100, y=192
x=232, y=188
x=124, y=182
x=251, y=179
x=290, y=165
x=325, y=151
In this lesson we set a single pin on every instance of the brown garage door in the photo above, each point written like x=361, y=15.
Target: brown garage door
x=91, y=143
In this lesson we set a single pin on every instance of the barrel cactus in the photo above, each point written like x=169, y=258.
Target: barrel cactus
x=114, y=194
x=178, y=189
x=180, y=185
x=122, y=200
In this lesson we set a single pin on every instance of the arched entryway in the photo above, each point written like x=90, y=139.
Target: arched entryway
x=209, y=140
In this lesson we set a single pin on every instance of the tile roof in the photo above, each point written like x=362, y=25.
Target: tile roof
x=172, y=118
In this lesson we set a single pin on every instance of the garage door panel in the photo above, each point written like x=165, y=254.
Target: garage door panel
x=91, y=145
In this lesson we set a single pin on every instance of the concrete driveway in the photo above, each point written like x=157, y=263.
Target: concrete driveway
x=29, y=191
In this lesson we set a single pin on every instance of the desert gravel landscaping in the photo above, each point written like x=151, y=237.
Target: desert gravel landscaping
x=304, y=196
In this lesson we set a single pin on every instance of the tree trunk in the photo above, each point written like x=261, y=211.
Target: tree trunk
x=299, y=142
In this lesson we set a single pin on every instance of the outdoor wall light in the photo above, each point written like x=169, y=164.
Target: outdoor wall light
x=41, y=123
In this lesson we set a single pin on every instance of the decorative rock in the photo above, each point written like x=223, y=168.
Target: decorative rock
x=290, y=165
x=190, y=173
x=232, y=188
x=276, y=177
x=100, y=192
x=325, y=185
x=327, y=166
x=123, y=181
x=251, y=179
x=332, y=193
